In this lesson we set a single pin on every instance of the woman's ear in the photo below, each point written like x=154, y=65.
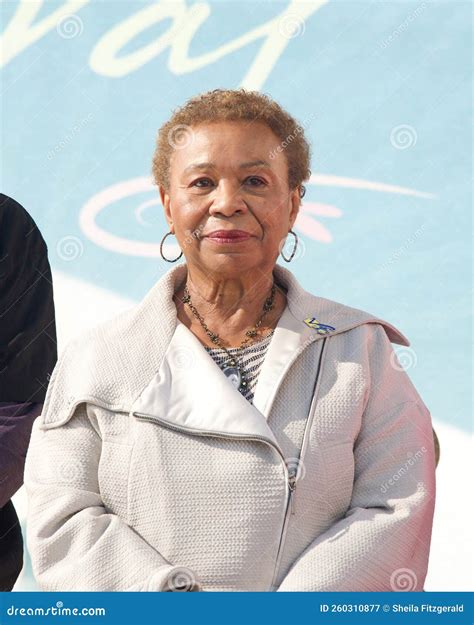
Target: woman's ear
x=295, y=205
x=166, y=201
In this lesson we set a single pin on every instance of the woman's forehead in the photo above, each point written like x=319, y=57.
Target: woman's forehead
x=241, y=145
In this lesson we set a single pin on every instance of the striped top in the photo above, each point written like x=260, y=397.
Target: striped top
x=249, y=359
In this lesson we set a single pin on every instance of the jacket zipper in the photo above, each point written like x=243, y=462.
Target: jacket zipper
x=197, y=432
x=291, y=478
x=294, y=475
x=292, y=486
x=288, y=478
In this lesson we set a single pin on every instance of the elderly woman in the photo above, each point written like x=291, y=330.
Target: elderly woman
x=232, y=432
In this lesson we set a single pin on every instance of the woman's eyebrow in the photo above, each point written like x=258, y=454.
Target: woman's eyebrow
x=209, y=165
x=256, y=163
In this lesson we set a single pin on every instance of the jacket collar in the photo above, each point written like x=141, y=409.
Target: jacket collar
x=122, y=364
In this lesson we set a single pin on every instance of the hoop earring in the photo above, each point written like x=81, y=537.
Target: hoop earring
x=294, y=249
x=161, y=250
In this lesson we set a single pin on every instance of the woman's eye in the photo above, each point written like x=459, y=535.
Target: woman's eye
x=200, y=180
x=255, y=182
x=259, y=180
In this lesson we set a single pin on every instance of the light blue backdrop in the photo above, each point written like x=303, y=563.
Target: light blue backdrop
x=382, y=88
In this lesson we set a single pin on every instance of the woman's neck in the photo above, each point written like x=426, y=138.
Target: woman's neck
x=232, y=322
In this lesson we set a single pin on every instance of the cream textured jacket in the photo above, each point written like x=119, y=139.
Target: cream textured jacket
x=147, y=468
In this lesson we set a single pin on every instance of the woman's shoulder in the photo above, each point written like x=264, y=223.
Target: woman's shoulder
x=108, y=364
x=329, y=316
x=349, y=317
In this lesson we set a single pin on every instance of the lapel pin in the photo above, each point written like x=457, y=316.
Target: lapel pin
x=321, y=328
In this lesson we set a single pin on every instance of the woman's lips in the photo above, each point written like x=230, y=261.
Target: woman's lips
x=232, y=236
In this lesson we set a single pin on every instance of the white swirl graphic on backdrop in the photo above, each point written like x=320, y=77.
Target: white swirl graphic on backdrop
x=310, y=220
x=113, y=242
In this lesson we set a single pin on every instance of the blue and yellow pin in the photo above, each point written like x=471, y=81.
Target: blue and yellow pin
x=321, y=328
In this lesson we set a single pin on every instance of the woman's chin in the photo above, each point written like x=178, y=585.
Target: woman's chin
x=230, y=262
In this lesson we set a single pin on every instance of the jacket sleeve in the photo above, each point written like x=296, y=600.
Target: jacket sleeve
x=382, y=543
x=74, y=542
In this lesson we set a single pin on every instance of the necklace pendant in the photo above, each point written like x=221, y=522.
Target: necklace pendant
x=234, y=375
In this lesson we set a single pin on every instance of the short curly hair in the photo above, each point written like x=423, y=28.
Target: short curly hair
x=233, y=105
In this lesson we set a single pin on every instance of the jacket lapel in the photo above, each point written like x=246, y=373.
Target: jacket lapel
x=290, y=335
x=191, y=391
x=124, y=361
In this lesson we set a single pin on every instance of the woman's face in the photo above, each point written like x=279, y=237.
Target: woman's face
x=223, y=177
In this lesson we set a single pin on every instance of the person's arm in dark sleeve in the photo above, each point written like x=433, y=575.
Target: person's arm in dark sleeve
x=16, y=421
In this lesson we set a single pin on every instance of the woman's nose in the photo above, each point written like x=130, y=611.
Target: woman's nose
x=227, y=199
